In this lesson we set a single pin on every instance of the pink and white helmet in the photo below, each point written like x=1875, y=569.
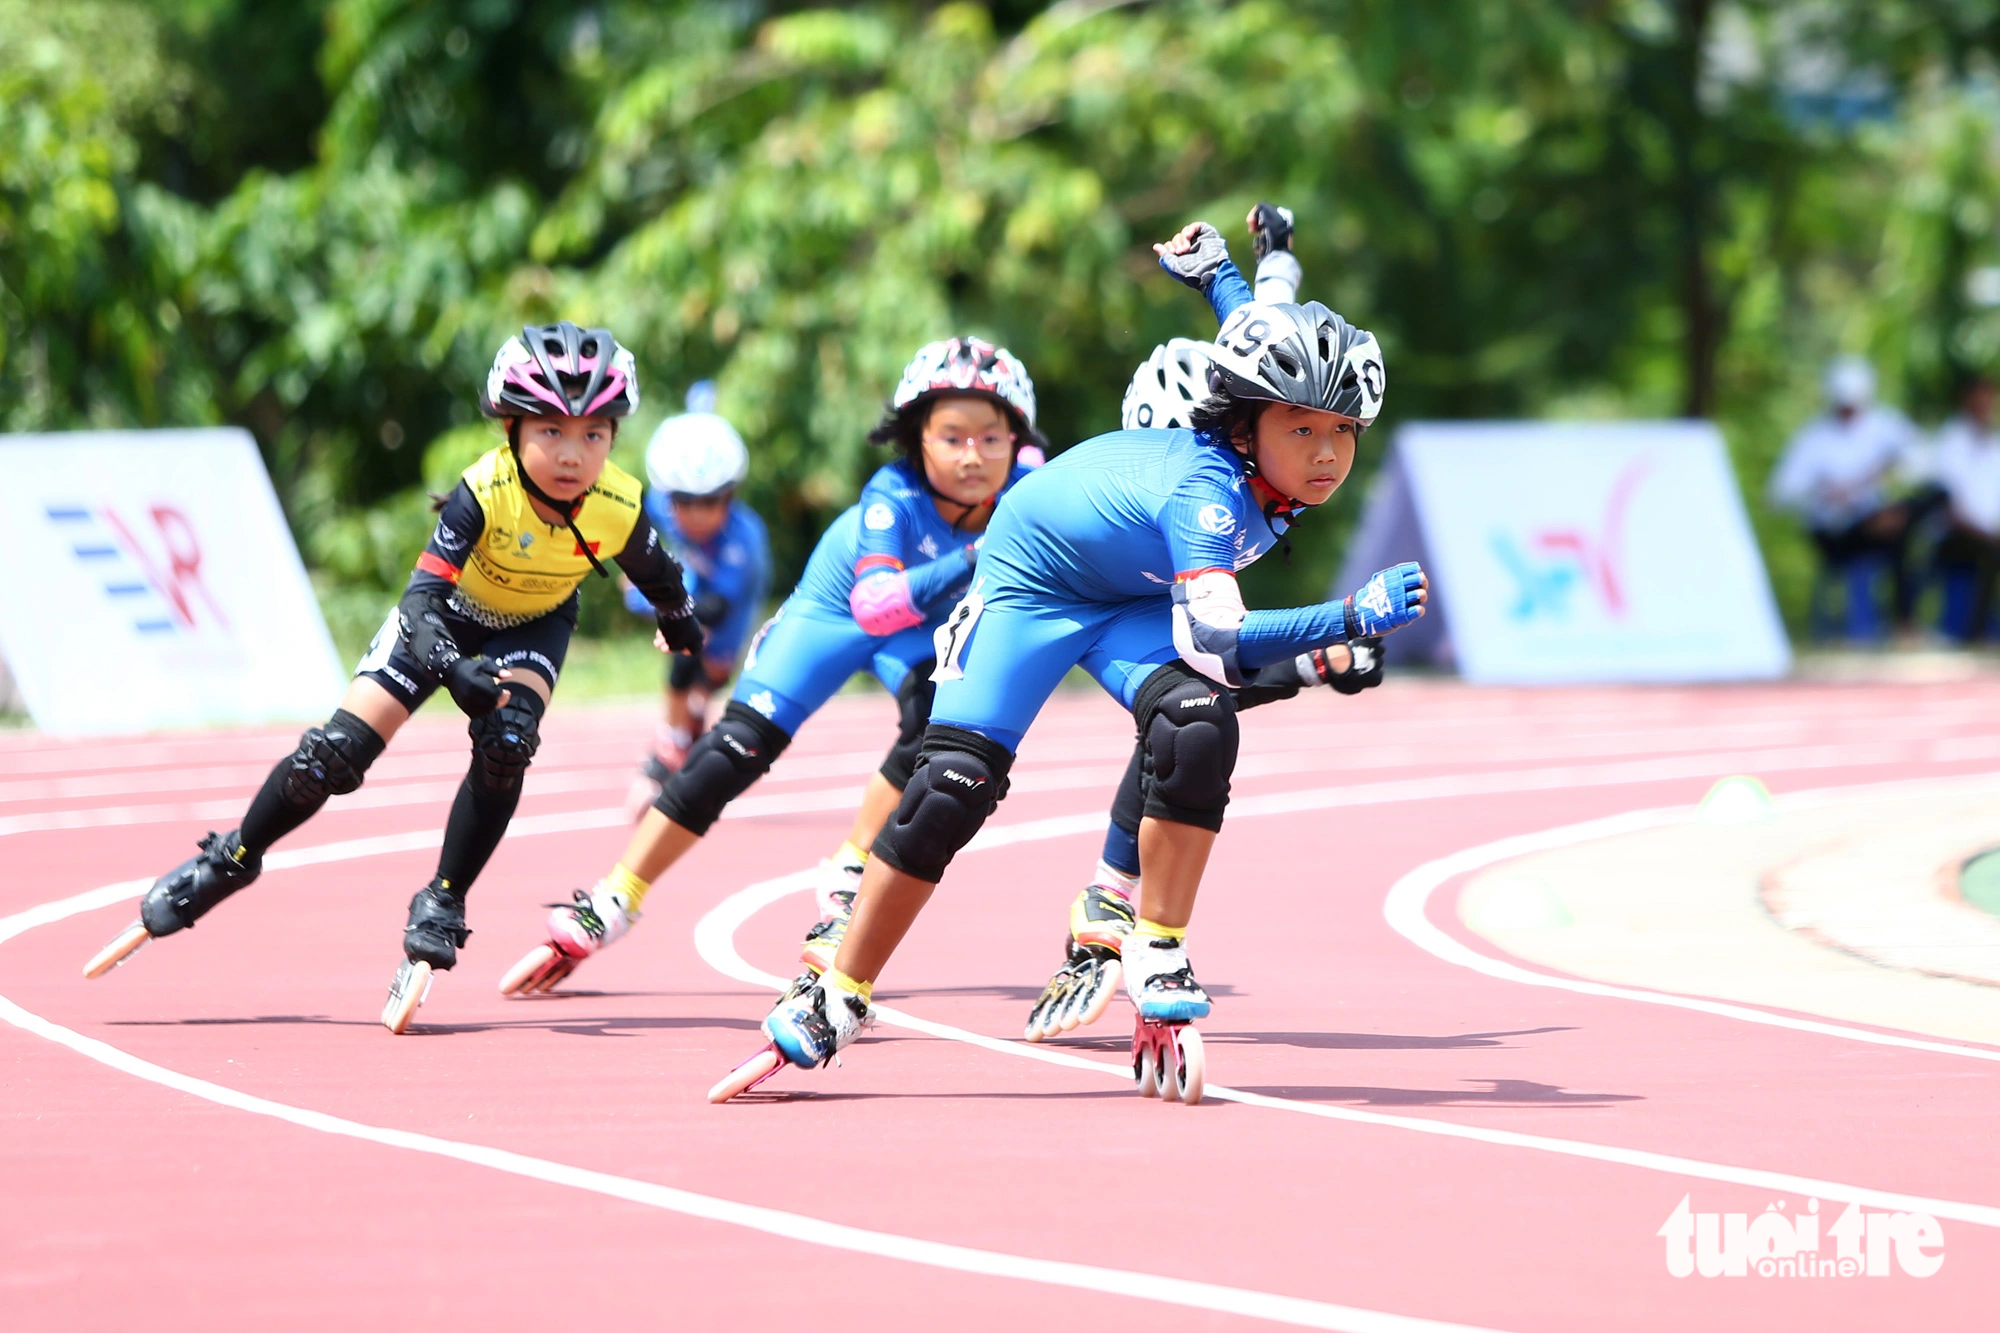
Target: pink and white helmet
x=968, y=365
x=560, y=370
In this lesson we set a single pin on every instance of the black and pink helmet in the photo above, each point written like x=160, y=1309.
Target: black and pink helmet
x=560, y=370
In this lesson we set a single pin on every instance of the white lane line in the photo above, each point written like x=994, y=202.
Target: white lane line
x=1405, y=909
x=715, y=941
x=1158, y=1288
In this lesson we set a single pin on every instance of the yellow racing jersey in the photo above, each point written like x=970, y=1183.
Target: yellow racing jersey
x=507, y=560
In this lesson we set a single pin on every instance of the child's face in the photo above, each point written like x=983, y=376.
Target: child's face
x=968, y=449
x=1303, y=454
x=566, y=455
x=700, y=516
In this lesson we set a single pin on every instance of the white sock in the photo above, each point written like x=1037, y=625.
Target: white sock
x=1112, y=878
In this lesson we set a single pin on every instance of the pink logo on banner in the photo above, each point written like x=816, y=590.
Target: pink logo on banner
x=1572, y=555
x=166, y=554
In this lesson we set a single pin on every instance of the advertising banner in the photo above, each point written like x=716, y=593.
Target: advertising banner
x=154, y=584
x=1575, y=551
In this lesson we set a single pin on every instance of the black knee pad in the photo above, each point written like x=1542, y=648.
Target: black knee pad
x=1188, y=726
x=331, y=760
x=723, y=764
x=504, y=743
x=913, y=714
x=959, y=778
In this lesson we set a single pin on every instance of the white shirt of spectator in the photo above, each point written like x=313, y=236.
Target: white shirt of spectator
x=1968, y=467
x=1834, y=473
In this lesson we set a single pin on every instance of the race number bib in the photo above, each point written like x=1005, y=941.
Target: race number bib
x=951, y=637
x=381, y=645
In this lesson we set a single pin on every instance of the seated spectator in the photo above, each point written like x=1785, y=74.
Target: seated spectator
x=1836, y=475
x=1968, y=555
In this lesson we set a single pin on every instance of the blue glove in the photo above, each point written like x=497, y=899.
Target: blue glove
x=1389, y=601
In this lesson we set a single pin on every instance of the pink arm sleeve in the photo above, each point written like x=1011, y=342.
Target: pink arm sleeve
x=881, y=603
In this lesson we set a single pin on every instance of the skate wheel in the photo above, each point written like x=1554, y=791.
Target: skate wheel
x=1146, y=1071
x=406, y=992
x=526, y=974
x=1190, y=1066
x=1098, y=998
x=1042, y=1018
x=116, y=952
x=747, y=1075
x=558, y=970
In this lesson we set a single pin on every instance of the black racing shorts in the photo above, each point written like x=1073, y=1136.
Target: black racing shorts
x=538, y=645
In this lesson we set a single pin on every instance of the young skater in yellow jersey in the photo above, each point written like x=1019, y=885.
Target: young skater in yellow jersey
x=487, y=616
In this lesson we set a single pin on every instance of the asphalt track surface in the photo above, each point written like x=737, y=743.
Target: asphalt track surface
x=221, y=1135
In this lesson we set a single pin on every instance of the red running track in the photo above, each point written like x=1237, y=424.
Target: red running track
x=139, y=1197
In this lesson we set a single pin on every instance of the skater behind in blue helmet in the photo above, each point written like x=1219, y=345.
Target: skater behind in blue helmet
x=695, y=462
x=1120, y=557
x=1163, y=393
x=881, y=579
x=487, y=616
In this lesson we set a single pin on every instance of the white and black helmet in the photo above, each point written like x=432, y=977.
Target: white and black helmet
x=1304, y=355
x=1166, y=388
x=696, y=453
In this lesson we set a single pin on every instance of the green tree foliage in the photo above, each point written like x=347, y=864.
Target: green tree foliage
x=318, y=219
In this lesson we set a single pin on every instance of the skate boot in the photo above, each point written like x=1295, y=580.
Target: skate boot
x=593, y=919
x=183, y=896
x=835, y=885
x=1081, y=990
x=809, y=1027
x=431, y=941
x=1161, y=982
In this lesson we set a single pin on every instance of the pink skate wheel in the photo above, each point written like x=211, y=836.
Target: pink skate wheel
x=747, y=1075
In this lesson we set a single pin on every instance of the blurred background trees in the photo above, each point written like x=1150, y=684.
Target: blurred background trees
x=318, y=219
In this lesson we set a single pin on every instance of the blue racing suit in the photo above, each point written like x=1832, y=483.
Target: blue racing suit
x=727, y=576
x=881, y=580
x=1080, y=567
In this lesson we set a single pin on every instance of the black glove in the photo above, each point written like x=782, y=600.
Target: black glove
x=1270, y=229
x=1364, y=670
x=1198, y=267
x=680, y=629
x=710, y=608
x=420, y=617
x=475, y=685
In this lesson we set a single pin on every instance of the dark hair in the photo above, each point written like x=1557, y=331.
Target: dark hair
x=1223, y=417
x=903, y=426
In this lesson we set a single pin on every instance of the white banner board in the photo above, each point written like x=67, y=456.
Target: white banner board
x=156, y=585
x=1577, y=551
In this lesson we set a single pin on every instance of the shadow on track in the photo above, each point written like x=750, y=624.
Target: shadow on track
x=768, y=1095
x=1499, y=1092
x=1320, y=1041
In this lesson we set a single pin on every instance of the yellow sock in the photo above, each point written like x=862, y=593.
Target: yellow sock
x=840, y=981
x=850, y=857
x=1158, y=931
x=627, y=886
